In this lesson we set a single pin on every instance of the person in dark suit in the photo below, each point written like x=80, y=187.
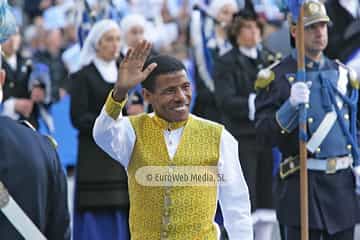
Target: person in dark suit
x=17, y=97
x=27, y=86
x=101, y=195
x=235, y=75
x=32, y=174
x=330, y=96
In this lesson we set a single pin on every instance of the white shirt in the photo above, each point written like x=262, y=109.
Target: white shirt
x=117, y=138
x=249, y=52
x=12, y=61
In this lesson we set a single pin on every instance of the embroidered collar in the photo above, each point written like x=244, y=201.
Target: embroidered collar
x=168, y=125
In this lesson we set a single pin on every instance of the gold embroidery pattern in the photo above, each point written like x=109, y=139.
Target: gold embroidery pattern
x=173, y=212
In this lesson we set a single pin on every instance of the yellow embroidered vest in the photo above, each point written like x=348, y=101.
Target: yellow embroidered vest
x=175, y=212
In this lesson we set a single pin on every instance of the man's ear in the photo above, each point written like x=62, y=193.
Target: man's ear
x=293, y=30
x=147, y=95
x=2, y=77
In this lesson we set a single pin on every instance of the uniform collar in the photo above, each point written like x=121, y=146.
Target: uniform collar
x=310, y=64
x=165, y=125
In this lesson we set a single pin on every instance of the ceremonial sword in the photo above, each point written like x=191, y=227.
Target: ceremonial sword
x=17, y=217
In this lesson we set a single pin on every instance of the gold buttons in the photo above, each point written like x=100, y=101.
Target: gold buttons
x=318, y=150
x=166, y=227
x=282, y=132
x=270, y=57
x=307, y=105
x=346, y=116
x=167, y=201
x=349, y=147
x=291, y=79
x=310, y=120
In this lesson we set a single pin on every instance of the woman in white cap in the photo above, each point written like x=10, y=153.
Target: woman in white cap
x=101, y=196
x=135, y=29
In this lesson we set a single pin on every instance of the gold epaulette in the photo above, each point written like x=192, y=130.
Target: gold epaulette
x=52, y=141
x=50, y=138
x=353, y=78
x=265, y=76
x=273, y=57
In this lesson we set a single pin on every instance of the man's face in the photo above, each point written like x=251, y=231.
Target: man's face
x=171, y=96
x=12, y=45
x=316, y=37
x=249, y=35
x=54, y=40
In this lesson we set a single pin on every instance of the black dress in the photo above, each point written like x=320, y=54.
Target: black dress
x=101, y=182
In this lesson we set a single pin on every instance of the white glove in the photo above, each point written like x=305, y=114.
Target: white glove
x=356, y=171
x=251, y=105
x=299, y=94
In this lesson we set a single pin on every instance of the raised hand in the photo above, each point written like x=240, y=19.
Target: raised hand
x=131, y=70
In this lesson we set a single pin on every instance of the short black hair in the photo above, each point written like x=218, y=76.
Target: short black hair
x=237, y=23
x=165, y=64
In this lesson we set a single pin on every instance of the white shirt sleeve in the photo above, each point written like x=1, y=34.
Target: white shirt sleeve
x=115, y=137
x=233, y=192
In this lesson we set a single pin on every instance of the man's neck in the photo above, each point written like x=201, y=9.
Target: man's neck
x=315, y=56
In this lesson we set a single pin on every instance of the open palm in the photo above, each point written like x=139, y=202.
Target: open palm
x=131, y=70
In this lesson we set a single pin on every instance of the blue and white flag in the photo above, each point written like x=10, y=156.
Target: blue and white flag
x=294, y=7
x=7, y=21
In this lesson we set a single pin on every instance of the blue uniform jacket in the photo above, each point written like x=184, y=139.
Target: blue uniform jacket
x=332, y=200
x=31, y=171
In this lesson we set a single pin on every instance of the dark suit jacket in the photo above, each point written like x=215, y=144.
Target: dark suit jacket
x=16, y=85
x=32, y=173
x=235, y=75
x=332, y=201
x=101, y=181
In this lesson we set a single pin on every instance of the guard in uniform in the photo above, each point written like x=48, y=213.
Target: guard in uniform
x=330, y=96
x=32, y=173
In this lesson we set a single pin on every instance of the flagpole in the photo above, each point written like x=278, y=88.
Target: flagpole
x=304, y=208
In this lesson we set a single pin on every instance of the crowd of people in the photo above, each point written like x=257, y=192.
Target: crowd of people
x=74, y=71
